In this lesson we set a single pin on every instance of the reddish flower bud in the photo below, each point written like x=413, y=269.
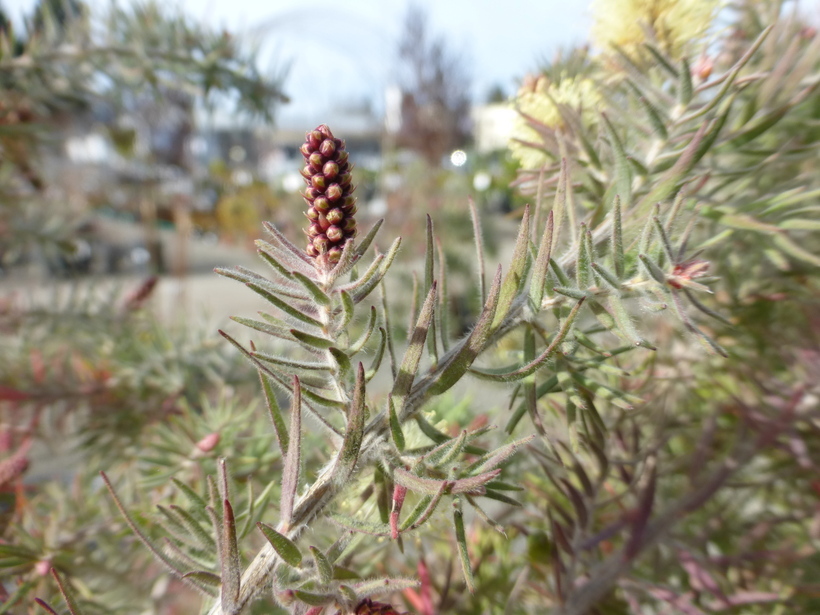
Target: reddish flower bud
x=334, y=192
x=327, y=148
x=209, y=442
x=334, y=233
x=331, y=205
x=321, y=203
x=335, y=216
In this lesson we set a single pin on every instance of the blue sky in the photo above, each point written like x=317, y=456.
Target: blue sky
x=344, y=51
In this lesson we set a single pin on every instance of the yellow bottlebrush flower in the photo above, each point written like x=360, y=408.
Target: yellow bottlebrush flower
x=631, y=23
x=537, y=99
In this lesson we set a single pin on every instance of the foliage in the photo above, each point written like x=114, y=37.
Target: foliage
x=618, y=431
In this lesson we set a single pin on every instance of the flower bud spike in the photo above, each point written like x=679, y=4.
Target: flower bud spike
x=330, y=205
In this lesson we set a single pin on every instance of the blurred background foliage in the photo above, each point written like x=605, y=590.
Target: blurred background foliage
x=721, y=454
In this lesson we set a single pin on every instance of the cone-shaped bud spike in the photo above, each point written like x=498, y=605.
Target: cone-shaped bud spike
x=331, y=205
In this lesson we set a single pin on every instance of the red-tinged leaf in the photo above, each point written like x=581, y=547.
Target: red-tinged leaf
x=229, y=560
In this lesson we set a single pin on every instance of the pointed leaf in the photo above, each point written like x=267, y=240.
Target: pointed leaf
x=529, y=369
x=285, y=307
x=323, y=566
x=542, y=263
x=354, y=433
x=461, y=542
x=395, y=426
x=412, y=356
x=229, y=560
x=453, y=369
x=283, y=546
x=514, y=278
x=479, y=246
x=293, y=459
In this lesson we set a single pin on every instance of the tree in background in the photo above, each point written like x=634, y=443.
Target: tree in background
x=435, y=88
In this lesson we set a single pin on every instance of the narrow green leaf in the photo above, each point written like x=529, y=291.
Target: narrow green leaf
x=381, y=586
x=292, y=363
x=345, y=369
x=412, y=356
x=572, y=293
x=192, y=496
x=617, y=240
x=542, y=263
x=395, y=426
x=354, y=433
x=661, y=59
x=668, y=252
x=443, y=311
x=788, y=246
x=527, y=370
x=358, y=525
x=377, y=358
x=287, y=245
x=240, y=274
x=500, y=455
x=271, y=255
x=285, y=307
x=429, y=267
x=279, y=331
x=283, y=546
x=318, y=295
x=365, y=290
x=323, y=566
x=293, y=459
x=685, y=83
x=624, y=321
x=204, y=577
x=312, y=342
x=423, y=510
x=200, y=534
x=371, y=325
x=479, y=246
x=444, y=453
x=312, y=598
x=364, y=244
x=559, y=205
x=623, y=173
x=583, y=265
x=514, y=278
x=656, y=272
x=348, y=310
x=559, y=273
x=461, y=542
x=607, y=276
x=365, y=278
x=453, y=369
x=653, y=114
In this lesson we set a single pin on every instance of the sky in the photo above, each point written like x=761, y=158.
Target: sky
x=343, y=52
